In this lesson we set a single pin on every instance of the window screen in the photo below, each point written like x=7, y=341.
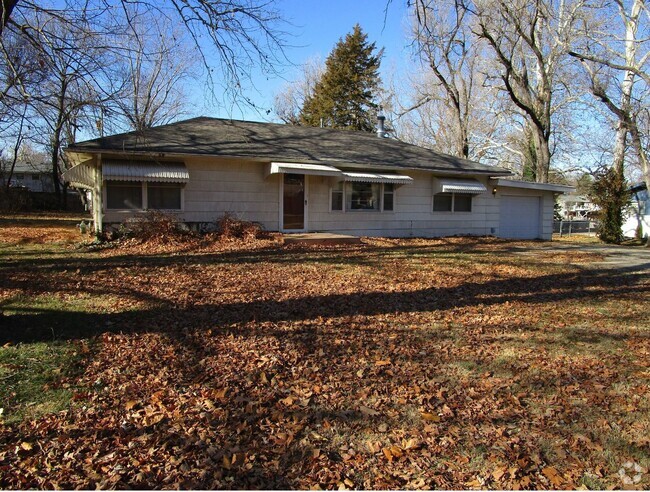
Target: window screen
x=337, y=196
x=363, y=196
x=442, y=202
x=124, y=195
x=462, y=203
x=164, y=196
x=388, y=197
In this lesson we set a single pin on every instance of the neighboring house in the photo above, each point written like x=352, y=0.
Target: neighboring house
x=35, y=176
x=304, y=179
x=576, y=207
x=638, y=214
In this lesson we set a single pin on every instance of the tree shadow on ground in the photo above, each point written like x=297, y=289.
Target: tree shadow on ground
x=37, y=325
x=253, y=418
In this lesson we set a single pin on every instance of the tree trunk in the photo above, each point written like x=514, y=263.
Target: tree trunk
x=55, y=169
x=619, y=149
x=7, y=7
x=542, y=154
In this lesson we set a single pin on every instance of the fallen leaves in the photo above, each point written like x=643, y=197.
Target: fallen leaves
x=430, y=417
x=398, y=364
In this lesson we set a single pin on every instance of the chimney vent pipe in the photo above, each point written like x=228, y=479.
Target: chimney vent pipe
x=381, y=131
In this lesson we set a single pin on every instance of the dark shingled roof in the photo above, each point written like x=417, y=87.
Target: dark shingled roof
x=283, y=143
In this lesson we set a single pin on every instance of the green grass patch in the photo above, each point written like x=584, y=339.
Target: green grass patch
x=34, y=378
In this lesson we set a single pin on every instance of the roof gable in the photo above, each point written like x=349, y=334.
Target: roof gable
x=271, y=141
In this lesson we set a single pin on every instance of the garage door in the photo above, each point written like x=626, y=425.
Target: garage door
x=520, y=217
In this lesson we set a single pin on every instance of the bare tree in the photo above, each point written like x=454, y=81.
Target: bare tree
x=155, y=64
x=615, y=53
x=291, y=98
x=71, y=63
x=530, y=40
x=232, y=37
x=445, y=45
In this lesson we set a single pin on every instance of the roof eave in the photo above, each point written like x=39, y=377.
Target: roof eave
x=528, y=185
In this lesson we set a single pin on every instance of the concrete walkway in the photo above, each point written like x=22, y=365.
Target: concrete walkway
x=628, y=258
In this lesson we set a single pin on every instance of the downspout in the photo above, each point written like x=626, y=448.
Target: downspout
x=98, y=201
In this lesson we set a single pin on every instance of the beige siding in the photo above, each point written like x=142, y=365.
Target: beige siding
x=412, y=216
x=223, y=186
x=241, y=188
x=235, y=187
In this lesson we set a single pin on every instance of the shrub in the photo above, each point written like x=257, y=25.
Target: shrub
x=230, y=227
x=155, y=225
x=609, y=192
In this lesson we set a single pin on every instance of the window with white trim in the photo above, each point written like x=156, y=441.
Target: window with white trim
x=359, y=196
x=388, y=199
x=452, y=202
x=139, y=195
x=337, y=194
x=362, y=196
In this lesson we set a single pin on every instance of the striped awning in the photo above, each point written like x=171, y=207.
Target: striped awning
x=396, y=179
x=297, y=168
x=165, y=172
x=79, y=176
x=470, y=186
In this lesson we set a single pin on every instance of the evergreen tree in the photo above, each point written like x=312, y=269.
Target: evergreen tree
x=344, y=96
x=609, y=191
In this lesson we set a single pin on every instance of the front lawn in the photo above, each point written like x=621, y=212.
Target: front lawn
x=395, y=364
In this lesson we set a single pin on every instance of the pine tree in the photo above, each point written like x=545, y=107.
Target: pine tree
x=610, y=193
x=344, y=97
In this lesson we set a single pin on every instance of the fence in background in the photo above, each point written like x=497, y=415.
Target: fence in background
x=568, y=227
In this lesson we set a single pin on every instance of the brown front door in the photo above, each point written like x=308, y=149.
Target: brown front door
x=294, y=202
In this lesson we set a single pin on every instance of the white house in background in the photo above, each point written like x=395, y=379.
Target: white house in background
x=576, y=207
x=36, y=176
x=304, y=179
x=638, y=214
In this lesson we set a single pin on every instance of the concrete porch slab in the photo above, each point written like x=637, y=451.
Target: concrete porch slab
x=320, y=238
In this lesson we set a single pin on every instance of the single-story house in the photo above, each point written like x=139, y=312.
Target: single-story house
x=576, y=207
x=304, y=179
x=34, y=175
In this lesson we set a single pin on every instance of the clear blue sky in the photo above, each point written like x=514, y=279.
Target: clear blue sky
x=315, y=28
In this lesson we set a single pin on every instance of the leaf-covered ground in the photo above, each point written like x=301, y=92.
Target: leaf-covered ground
x=395, y=364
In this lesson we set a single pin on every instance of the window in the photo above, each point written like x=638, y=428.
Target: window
x=337, y=196
x=362, y=196
x=36, y=177
x=136, y=195
x=389, y=193
x=452, y=202
x=122, y=195
x=164, y=196
x=345, y=196
x=442, y=202
x=462, y=202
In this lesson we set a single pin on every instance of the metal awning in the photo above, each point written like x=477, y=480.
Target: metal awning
x=396, y=179
x=79, y=176
x=165, y=172
x=295, y=168
x=470, y=186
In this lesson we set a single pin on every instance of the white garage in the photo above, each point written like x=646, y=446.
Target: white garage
x=520, y=217
x=526, y=209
